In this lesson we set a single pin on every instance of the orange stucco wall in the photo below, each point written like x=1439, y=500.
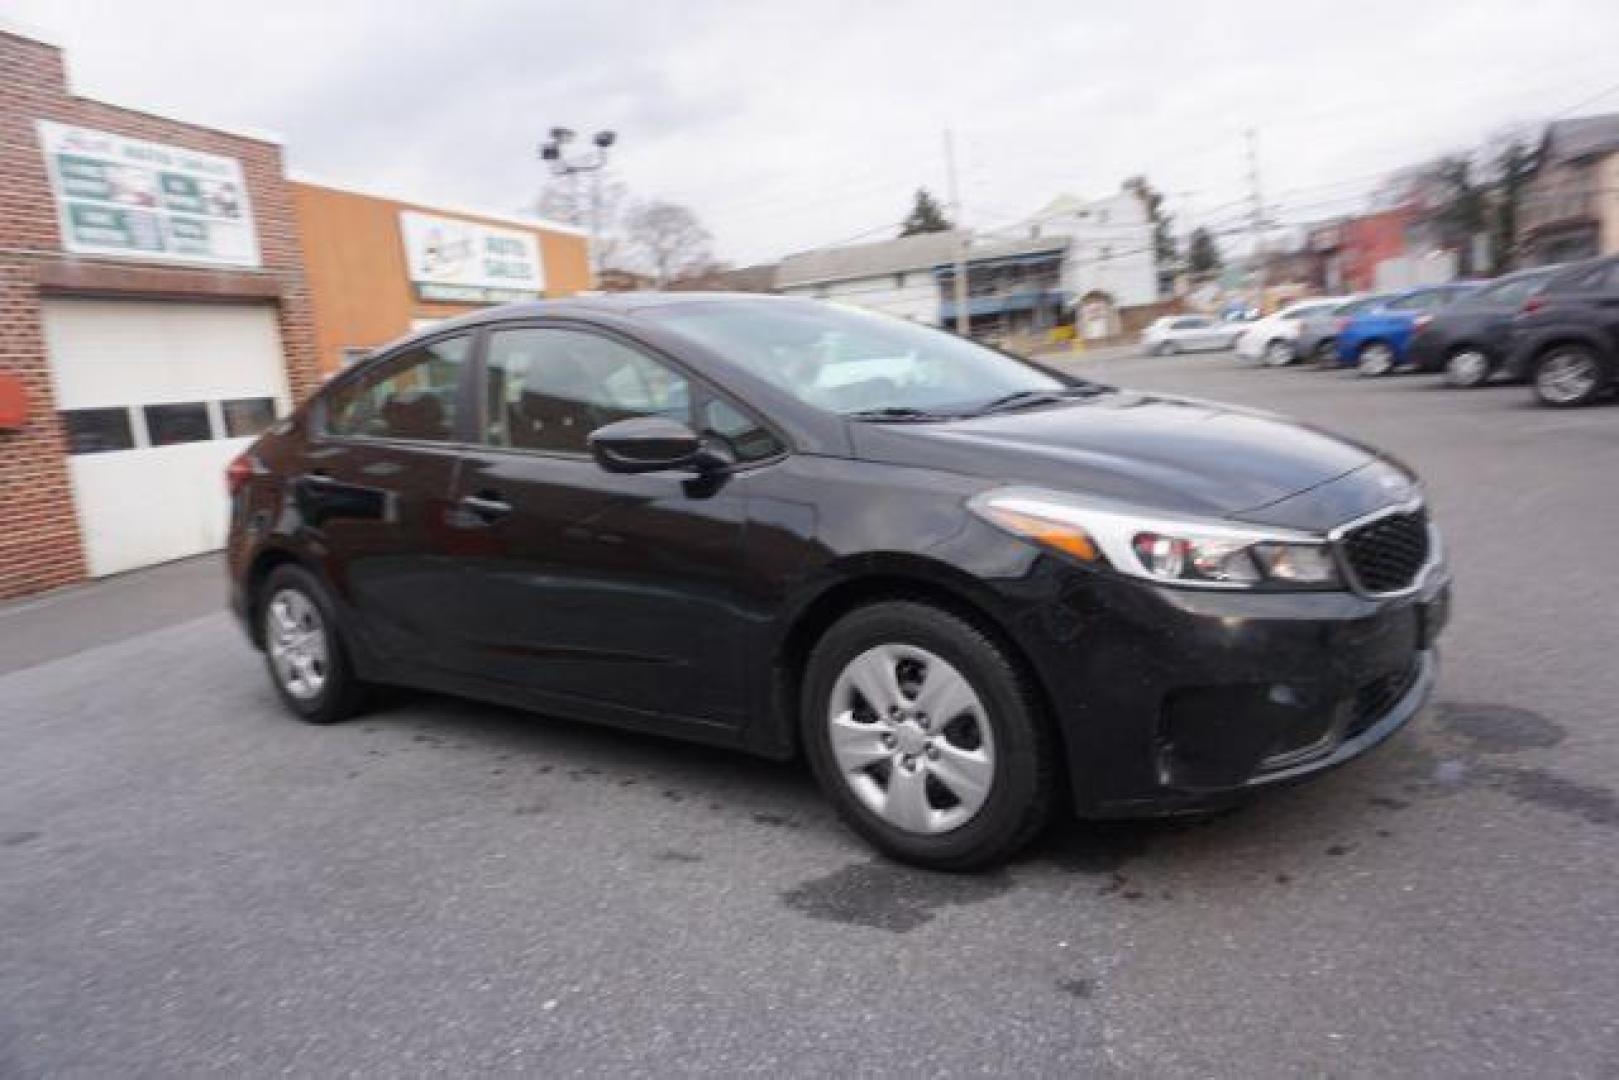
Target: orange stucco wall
x=354, y=261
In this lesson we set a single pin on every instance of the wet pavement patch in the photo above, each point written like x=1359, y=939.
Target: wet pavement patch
x=1499, y=729
x=1598, y=805
x=1079, y=988
x=888, y=897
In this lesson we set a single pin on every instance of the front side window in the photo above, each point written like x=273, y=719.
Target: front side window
x=549, y=388
x=412, y=396
x=851, y=361
x=747, y=439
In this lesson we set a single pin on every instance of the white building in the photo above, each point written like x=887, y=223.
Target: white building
x=892, y=276
x=1110, y=247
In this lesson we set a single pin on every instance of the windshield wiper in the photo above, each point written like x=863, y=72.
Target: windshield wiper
x=1021, y=398
x=895, y=412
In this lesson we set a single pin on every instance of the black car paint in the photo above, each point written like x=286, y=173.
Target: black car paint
x=1579, y=305
x=1472, y=323
x=681, y=603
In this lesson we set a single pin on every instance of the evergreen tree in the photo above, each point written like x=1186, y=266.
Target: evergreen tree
x=926, y=216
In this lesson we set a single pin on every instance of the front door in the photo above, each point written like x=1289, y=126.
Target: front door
x=582, y=584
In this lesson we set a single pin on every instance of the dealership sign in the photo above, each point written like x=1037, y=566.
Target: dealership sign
x=120, y=196
x=464, y=262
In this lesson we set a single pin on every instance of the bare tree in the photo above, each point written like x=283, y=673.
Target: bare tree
x=568, y=200
x=669, y=239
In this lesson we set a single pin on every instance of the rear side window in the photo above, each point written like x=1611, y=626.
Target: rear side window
x=412, y=396
x=549, y=388
x=1583, y=279
x=1425, y=301
x=1191, y=324
x=1508, y=293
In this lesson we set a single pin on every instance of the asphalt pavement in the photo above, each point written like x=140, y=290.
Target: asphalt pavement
x=192, y=883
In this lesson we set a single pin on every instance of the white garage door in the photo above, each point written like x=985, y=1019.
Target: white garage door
x=157, y=397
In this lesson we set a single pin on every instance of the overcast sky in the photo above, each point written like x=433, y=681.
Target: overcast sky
x=795, y=125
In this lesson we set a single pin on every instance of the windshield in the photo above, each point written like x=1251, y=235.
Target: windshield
x=851, y=361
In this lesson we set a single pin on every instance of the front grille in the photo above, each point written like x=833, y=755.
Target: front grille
x=1387, y=554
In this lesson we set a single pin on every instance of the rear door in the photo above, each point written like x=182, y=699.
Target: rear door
x=375, y=488
x=583, y=585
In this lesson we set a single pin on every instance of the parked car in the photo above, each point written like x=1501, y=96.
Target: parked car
x=1375, y=341
x=1564, y=339
x=1274, y=339
x=962, y=586
x=1468, y=340
x=1188, y=333
x=1317, y=340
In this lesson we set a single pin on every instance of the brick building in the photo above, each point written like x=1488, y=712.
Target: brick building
x=133, y=250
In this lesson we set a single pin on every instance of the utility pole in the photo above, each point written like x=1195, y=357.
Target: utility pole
x=551, y=152
x=1256, y=208
x=963, y=322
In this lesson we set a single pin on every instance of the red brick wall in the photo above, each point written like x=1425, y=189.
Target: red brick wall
x=39, y=540
x=1368, y=241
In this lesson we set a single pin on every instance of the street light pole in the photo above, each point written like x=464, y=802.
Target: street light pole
x=552, y=152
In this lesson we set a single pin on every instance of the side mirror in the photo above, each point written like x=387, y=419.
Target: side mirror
x=644, y=444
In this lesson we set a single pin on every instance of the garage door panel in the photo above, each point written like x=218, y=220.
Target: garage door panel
x=150, y=504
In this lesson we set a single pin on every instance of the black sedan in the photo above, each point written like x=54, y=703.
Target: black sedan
x=965, y=588
x=1469, y=341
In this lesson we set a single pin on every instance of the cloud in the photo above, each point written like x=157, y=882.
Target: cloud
x=792, y=125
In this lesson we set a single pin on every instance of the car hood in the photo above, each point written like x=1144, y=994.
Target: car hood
x=1164, y=453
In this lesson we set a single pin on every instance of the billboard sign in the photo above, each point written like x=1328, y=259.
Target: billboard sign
x=130, y=197
x=466, y=262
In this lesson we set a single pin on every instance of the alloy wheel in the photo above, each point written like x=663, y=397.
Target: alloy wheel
x=296, y=636
x=1470, y=367
x=1278, y=353
x=911, y=739
x=1567, y=377
x=1376, y=359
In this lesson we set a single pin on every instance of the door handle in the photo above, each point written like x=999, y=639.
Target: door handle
x=318, y=478
x=487, y=506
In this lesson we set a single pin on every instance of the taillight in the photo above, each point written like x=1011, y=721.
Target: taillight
x=1532, y=305
x=239, y=471
x=1343, y=323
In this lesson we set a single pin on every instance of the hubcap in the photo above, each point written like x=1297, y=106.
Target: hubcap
x=1277, y=353
x=1376, y=360
x=297, y=641
x=911, y=739
x=1468, y=368
x=1566, y=377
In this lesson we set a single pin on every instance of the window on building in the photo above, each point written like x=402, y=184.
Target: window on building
x=413, y=396
x=246, y=417
x=97, y=431
x=549, y=388
x=180, y=422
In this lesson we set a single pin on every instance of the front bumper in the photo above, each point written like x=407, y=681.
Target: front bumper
x=1177, y=700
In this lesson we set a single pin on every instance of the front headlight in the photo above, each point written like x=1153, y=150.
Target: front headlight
x=1179, y=551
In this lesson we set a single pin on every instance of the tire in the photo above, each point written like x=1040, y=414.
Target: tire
x=1374, y=360
x=1278, y=353
x=305, y=655
x=1326, y=353
x=978, y=785
x=1467, y=368
x=1568, y=376
x=1168, y=348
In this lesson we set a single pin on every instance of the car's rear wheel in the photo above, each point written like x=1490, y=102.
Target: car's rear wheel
x=308, y=663
x=1375, y=359
x=1278, y=353
x=1568, y=375
x=924, y=734
x=1466, y=368
x=1168, y=348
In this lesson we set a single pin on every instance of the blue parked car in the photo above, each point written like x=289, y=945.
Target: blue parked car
x=1375, y=341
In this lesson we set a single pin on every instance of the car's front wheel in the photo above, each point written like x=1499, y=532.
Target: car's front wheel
x=1467, y=368
x=1568, y=375
x=1278, y=353
x=923, y=732
x=1375, y=359
x=308, y=663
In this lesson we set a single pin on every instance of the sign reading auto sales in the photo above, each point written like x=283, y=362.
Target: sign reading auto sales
x=121, y=196
x=465, y=262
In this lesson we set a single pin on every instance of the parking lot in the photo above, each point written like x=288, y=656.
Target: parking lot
x=191, y=882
